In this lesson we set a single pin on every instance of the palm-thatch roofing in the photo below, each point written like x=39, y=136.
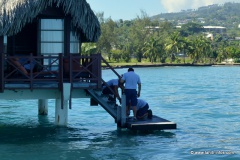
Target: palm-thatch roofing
x=15, y=14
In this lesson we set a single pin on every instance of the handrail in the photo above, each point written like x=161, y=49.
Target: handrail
x=57, y=71
x=108, y=65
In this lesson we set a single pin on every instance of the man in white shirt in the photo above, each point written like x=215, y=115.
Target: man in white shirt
x=113, y=84
x=132, y=82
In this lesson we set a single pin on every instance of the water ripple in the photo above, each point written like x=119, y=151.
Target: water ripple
x=203, y=101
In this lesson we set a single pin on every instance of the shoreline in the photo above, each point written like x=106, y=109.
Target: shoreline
x=169, y=65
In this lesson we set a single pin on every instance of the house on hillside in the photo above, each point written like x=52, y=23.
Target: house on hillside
x=215, y=29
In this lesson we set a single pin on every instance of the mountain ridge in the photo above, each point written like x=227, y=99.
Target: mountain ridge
x=225, y=15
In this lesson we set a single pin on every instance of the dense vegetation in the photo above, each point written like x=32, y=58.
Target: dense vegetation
x=159, y=41
x=226, y=15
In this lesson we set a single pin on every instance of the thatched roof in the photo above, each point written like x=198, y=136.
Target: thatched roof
x=15, y=14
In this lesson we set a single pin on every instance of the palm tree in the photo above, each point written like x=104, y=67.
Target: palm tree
x=172, y=46
x=151, y=49
x=200, y=47
x=207, y=48
x=183, y=46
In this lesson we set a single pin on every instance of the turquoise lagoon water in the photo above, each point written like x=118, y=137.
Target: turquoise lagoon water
x=203, y=101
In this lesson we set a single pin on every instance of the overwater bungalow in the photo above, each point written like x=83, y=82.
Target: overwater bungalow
x=40, y=42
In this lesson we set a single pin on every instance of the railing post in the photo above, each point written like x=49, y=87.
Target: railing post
x=123, y=110
x=70, y=66
x=121, y=113
x=96, y=69
x=119, y=110
x=1, y=64
x=70, y=60
x=31, y=72
x=110, y=66
x=99, y=60
x=2, y=73
x=60, y=77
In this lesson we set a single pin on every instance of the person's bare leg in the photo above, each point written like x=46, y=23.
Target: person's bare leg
x=135, y=111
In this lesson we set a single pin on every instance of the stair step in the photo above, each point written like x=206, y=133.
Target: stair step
x=110, y=106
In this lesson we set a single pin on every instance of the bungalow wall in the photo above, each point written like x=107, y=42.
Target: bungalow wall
x=25, y=42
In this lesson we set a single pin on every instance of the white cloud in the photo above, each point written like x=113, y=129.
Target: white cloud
x=178, y=5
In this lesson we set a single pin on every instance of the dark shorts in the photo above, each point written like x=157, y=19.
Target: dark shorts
x=142, y=111
x=131, y=96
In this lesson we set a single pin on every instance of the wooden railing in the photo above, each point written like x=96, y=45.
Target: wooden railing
x=110, y=67
x=58, y=69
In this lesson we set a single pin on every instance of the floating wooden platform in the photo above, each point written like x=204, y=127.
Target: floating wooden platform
x=156, y=123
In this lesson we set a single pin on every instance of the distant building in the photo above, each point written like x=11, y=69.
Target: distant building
x=210, y=31
x=215, y=29
x=201, y=20
x=153, y=28
x=209, y=6
x=237, y=38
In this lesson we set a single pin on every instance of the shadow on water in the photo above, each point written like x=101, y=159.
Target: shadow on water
x=122, y=144
x=73, y=142
x=46, y=131
x=161, y=133
x=16, y=134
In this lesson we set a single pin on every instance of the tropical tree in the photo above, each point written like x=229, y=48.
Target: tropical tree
x=191, y=28
x=116, y=55
x=139, y=31
x=200, y=48
x=151, y=49
x=206, y=48
x=122, y=34
x=126, y=53
x=108, y=38
x=221, y=54
x=88, y=48
x=166, y=27
x=219, y=46
x=183, y=46
x=173, y=45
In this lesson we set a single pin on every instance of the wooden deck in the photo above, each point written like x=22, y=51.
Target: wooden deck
x=74, y=69
x=156, y=123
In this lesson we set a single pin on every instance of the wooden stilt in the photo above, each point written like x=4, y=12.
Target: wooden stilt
x=119, y=108
x=123, y=110
x=61, y=114
x=42, y=107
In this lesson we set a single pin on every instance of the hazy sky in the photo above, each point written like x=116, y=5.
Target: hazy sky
x=130, y=9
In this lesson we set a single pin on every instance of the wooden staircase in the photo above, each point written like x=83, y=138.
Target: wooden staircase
x=109, y=106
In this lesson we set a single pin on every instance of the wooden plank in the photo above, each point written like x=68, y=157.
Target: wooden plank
x=156, y=123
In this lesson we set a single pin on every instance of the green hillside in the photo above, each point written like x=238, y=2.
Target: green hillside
x=226, y=15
